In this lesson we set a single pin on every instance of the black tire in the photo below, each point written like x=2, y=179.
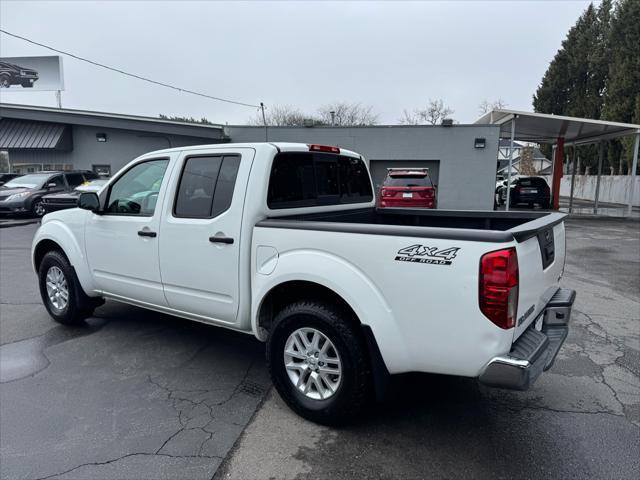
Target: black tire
x=354, y=388
x=5, y=82
x=37, y=209
x=26, y=85
x=77, y=308
x=545, y=205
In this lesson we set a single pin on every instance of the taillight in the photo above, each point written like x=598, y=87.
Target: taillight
x=499, y=287
x=324, y=148
x=429, y=192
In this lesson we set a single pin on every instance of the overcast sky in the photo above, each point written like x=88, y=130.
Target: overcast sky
x=389, y=55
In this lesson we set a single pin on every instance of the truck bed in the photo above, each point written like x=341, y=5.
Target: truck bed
x=474, y=225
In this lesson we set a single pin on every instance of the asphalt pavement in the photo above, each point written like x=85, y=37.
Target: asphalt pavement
x=580, y=420
x=140, y=395
x=132, y=395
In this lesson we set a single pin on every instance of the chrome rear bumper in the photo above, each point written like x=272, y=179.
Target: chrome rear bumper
x=534, y=351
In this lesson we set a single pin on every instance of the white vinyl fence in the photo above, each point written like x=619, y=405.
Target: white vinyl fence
x=613, y=188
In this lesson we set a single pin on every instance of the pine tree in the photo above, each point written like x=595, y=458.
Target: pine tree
x=622, y=95
x=574, y=83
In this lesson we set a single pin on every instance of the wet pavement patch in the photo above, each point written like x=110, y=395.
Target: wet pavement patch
x=26, y=357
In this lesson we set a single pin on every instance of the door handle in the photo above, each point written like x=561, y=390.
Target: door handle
x=147, y=233
x=227, y=240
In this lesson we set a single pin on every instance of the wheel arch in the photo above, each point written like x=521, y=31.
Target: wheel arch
x=55, y=235
x=289, y=291
x=40, y=250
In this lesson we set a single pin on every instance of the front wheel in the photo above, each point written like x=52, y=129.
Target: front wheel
x=60, y=290
x=318, y=362
x=37, y=208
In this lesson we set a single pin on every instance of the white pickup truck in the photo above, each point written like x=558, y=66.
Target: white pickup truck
x=283, y=241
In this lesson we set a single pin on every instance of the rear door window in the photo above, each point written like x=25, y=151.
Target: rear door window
x=304, y=179
x=206, y=186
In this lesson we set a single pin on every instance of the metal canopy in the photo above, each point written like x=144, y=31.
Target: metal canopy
x=562, y=131
x=547, y=128
x=23, y=134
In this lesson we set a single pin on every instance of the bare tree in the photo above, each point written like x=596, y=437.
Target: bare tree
x=281, y=116
x=487, y=106
x=433, y=114
x=345, y=114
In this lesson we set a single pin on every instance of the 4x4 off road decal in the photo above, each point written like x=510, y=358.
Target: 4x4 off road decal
x=431, y=255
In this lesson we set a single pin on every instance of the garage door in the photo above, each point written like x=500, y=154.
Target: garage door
x=379, y=169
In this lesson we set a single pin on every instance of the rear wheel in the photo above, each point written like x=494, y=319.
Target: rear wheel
x=318, y=362
x=60, y=290
x=4, y=81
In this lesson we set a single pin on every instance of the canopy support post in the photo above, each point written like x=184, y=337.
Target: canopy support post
x=632, y=176
x=573, y=179
x=513, y=134
x=557, y=172
x=600, y=162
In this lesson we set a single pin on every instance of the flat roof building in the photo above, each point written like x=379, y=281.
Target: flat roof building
x=461, y=159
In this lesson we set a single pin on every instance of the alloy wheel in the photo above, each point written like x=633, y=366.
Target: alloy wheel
x=312, y=363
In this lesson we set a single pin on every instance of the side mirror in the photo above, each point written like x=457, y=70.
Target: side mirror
x=52, y=185
x=89, y=201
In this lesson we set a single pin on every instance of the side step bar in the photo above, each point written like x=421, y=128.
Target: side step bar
x=534, y=351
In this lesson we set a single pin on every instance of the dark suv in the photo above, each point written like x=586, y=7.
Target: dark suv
x=23, y=195
x=529, y=190
x=11, y=74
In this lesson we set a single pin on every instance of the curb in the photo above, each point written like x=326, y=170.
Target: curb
x=18, y=223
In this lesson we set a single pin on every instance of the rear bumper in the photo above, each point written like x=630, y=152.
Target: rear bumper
x=535, y=350
x=406, y=204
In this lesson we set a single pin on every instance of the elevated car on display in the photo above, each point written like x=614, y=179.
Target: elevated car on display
x=529, y=190
x=283, y=241
x=60, y=201
x=23, y=195
x=408, y=188
x=11, y=74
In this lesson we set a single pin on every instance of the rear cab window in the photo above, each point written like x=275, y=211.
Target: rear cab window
x=307, y=179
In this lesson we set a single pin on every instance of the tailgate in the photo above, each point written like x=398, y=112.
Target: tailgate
x=541, y=253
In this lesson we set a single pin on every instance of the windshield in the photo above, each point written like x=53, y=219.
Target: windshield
x=27, y=181
x=418, y=180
